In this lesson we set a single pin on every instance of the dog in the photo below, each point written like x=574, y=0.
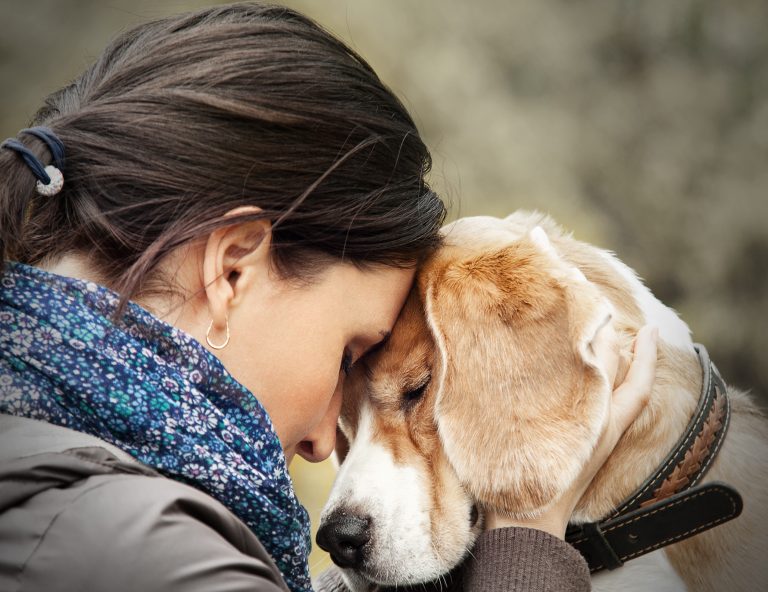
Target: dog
x=488, y=394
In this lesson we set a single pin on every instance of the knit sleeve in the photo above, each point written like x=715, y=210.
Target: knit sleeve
x=524, y=559
x=503, y=560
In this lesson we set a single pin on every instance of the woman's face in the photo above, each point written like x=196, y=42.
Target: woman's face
x=290, y=345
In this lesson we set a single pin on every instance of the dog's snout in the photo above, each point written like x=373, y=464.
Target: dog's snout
x=344, y=536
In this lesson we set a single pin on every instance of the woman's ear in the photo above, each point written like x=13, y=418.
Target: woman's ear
x=517, y=407
x=235, y=257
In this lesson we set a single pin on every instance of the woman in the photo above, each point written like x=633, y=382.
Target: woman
x=230, y=219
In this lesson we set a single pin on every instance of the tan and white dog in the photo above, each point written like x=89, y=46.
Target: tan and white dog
x=488, y=394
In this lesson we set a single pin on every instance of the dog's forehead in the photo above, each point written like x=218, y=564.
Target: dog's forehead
x=398, y=365
x=409, y=348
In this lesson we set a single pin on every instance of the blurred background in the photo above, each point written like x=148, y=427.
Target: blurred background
x=641, y=126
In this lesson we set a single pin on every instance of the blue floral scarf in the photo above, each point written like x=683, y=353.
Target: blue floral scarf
x=153, y=391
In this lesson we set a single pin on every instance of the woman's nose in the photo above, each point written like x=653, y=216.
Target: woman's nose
x=320, y=442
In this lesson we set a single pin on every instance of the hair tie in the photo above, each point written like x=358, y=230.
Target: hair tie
x=55, y=145
x=50, y=179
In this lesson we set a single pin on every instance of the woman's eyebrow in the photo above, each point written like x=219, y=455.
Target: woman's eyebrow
x=385, y=335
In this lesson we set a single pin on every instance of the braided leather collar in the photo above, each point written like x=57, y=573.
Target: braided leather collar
x=670, y=505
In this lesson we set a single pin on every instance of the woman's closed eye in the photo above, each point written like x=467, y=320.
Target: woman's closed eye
x=346, y=362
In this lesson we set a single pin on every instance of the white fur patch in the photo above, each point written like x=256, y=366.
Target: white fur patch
x=672, y=329
x=439, y=340
x=396, y=499
x=541, y=240
x=649, y=572
x=440, y=344
x=479, y=231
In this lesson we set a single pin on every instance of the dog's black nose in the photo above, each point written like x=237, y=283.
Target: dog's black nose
x=344, y=536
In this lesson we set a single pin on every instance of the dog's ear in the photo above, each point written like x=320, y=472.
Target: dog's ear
x=521, y=400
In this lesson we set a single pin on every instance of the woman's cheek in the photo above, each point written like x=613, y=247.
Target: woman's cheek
x=322, y=399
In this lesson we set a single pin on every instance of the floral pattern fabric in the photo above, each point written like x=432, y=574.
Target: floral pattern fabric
x=153, y=391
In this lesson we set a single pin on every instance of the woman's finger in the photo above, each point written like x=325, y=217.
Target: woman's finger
x=632, y=395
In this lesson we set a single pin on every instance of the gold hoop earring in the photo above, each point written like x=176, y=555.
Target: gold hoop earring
x=208, y=338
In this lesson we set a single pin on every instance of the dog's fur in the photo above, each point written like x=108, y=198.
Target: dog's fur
x=499, y=327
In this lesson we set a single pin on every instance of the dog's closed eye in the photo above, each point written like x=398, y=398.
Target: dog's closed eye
x=413, y=395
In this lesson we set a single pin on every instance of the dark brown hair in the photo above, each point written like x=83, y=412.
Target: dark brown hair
x=184, y=118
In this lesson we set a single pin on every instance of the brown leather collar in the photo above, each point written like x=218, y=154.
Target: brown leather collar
x=670, y=505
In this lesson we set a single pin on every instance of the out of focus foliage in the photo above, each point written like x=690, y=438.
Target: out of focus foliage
x=642, y=126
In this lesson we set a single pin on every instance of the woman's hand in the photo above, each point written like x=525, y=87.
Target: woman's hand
x=627, y=402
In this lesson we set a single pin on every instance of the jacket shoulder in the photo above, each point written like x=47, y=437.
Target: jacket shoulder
x=137, y=532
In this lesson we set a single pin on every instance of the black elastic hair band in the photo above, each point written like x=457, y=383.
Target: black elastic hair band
x=54, y=144
x=37, y=168
x=51, y=140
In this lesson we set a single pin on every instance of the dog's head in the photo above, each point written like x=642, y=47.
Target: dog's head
x=487, y=394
